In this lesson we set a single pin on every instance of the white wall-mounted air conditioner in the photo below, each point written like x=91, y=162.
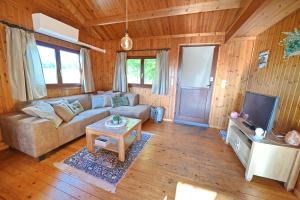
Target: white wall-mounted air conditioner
x=54, y=28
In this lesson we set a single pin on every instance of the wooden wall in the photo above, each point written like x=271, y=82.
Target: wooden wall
x=281, y=77
x=15, y=13
x=232, y=65
x=12, y=12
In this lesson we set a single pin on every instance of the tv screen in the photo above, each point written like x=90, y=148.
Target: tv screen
x=260, y=110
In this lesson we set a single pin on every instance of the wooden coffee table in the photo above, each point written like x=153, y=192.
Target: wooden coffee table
x=122, y=135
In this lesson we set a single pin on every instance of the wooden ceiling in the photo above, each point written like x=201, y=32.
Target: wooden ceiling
x=104, y=19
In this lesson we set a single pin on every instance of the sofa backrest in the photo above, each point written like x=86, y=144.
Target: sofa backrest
x=84, y=99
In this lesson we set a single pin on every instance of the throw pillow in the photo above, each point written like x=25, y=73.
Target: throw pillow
x=97, y=101
x=124, y=101
x=44, y=111
x=132, y=98
x=76, y=107
x=63, y=111
x=115, y=101
x=118, y=101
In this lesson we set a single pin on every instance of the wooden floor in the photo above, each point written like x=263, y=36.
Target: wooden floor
x=177, y=157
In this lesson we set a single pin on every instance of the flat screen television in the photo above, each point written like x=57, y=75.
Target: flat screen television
x=260, y=110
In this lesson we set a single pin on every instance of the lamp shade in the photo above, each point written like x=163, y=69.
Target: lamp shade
x=126, y=42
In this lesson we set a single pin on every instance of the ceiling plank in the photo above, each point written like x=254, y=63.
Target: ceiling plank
x=72, y=8
x=167, y=12
x=266, y=16
x=251, y=8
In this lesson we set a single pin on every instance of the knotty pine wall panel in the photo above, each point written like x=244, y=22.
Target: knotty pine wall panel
x=20, y=14
x=229, y=67
x=281, y=77
x=233, y=66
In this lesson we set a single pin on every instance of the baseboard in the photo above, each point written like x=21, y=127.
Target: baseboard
x=3, y=146
x=191, y=123
x=297, y=193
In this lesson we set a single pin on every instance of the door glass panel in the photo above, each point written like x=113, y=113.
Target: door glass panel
x=196, y=66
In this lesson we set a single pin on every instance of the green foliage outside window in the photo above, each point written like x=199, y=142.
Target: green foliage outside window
x=134, y=69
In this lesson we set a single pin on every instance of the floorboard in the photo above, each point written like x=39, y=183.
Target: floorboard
x=176, y=154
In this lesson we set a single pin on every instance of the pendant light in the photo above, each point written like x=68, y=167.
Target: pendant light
x=126, y=41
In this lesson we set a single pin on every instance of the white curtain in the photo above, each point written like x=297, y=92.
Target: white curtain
x=120, y=78
x=160, y=83
x=24, y=65
x=87, y=74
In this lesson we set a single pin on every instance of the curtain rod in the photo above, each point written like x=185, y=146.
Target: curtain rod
x=145, y=50
x=81, y=44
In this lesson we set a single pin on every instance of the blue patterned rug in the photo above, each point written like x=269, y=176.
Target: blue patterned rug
x=103, y=167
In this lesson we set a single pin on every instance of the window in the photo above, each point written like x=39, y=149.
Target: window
x=140, y=71
x=60, y=65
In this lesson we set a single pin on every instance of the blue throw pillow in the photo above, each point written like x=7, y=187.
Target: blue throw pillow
x=98, y=101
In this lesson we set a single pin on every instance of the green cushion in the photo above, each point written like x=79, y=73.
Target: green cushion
x=76, y=107
x=118, y=101
x=124, y=101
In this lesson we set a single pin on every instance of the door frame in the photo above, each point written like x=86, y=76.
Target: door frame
x=179, y=73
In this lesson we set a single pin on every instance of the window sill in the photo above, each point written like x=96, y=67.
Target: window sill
x=139, y=85
x=53, y=86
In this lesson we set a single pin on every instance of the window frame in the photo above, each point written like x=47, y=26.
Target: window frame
x=57, y=49
x=142, y=71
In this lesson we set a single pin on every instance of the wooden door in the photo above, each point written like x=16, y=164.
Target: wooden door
x=195, y=84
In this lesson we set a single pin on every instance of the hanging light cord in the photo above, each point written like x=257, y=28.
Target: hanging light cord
x=126, y=30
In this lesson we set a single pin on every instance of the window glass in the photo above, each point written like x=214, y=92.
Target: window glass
x=48, y=60
x=134, y=71
x=70, y=69
x=149, y=70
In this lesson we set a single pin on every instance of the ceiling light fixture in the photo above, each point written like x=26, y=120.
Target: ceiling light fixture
x=126, y=41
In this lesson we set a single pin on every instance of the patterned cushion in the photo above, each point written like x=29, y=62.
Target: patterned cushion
x=76, y=107
x=132, y=98
x=63, y=111
x=124, y=101
x=44, y=111
x=118, y=101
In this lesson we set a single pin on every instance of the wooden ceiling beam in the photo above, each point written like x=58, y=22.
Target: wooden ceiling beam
x=167, y=12
x=251, y=8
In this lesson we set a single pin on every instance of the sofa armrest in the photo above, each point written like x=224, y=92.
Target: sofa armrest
x=31, y=135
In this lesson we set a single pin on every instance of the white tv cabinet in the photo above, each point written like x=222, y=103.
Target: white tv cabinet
x=269, y=158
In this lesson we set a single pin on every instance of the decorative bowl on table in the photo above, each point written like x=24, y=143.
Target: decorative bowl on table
x=116, y=121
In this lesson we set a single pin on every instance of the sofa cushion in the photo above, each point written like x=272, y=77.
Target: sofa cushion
x=63, y=111
x=76, y=127
x=132, y=98
x=100, y=101
x=118, y=101
x=84, y=99
x=139, y=111
x=44, y=111
x=76, y=107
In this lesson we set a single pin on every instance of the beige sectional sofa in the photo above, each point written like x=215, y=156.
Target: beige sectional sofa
x=36, y=137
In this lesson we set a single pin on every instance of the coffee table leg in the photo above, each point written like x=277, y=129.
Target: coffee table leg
x=90, y=142
x=139, y=131
x=121, y=150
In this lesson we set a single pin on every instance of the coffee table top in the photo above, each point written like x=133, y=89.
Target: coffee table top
x=99, y=126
